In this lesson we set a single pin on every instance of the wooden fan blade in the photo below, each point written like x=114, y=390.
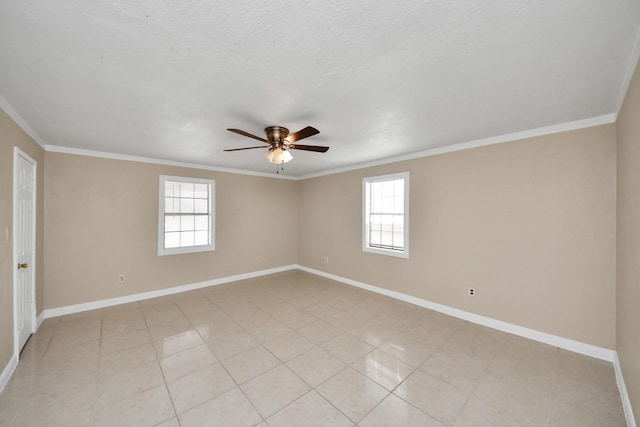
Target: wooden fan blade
x=241, y=132
x=316, y=148
x=302, y=134
x=246, y=148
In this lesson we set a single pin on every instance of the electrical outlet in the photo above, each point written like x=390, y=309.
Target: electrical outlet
x=326, y=259
x=472, y=292
x=121, y=278
x=259, y=257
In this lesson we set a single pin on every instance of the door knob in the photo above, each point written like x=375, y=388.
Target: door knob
x=23, y=265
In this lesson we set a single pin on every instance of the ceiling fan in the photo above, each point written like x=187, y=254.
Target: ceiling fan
x=281, y=142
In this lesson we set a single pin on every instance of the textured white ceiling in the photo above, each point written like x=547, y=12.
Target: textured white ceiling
x=164, y=79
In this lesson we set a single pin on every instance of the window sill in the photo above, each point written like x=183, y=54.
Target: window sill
x=387, y=252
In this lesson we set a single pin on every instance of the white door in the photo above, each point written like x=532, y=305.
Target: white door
x=24, y=225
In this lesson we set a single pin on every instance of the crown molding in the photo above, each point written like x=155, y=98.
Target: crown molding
x=20, y=122
x=510, y=137
x=141, y=159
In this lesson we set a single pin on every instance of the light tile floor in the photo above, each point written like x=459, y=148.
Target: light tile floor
x=296, y=350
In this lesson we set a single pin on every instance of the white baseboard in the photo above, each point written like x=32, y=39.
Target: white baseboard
x=561, y=342
x=76, y=308
x=554, y=340
x=39, y=320
x=8, y=371
x=624, y=396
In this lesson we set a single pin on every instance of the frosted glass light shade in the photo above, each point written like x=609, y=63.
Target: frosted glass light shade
x=278, y=155
x=269, y=156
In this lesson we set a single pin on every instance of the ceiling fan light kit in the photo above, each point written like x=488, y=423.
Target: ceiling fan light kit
x=277, y=155
x=281, y=142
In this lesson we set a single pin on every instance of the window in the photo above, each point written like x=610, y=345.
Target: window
x=386, y=215
x=186, y=215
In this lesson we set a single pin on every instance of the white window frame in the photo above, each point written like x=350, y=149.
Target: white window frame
x=366, y=247
x=161, y=214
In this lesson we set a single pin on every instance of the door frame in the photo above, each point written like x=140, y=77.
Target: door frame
x=17, y=153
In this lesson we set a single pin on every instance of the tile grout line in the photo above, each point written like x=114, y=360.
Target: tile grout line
x=349, y=331
x=224, y=367
x=164, y=378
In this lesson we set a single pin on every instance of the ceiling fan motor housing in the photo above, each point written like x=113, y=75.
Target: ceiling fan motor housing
x=276, y=134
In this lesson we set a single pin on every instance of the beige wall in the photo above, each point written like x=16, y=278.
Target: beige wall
x=102, y=217
x=628, y=242
x=530, y=224
x=12, y=135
